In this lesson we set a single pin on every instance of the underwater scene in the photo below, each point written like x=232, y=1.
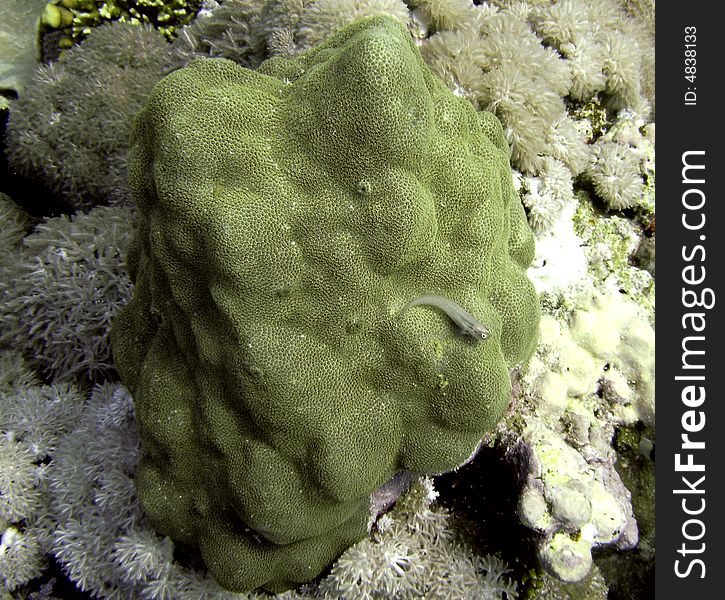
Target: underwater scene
x=327, y=299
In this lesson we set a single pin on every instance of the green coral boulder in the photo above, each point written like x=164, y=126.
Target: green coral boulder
x=286, y=216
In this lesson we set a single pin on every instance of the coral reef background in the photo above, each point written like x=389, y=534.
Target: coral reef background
x=572, y=82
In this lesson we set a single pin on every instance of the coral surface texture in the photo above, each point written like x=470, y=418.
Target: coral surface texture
x=286, y=217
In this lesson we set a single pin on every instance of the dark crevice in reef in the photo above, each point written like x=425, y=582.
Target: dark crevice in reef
x=631, y=574
x=482, y=497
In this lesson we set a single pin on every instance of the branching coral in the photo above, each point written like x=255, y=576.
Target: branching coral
x=22, y=556
x=231, y=31
x=522, y=61
x=604, y=47
x=415, y=554
x=88, y=520
x=19, y=481
x=506, y=70
x=32, y=420
x=454, y=57
x=442, y=14
x=523, y=83
x=14, y=225
x=621, y=168
x=72, y=122
x=566, y=142
x=278, y=25
x=322, y=18
x=37, y=415
x=615, y=174
x=61, y=290
x=92, y=502
x=546, y=195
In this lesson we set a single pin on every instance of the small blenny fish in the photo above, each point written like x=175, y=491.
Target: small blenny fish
x=467, y=323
